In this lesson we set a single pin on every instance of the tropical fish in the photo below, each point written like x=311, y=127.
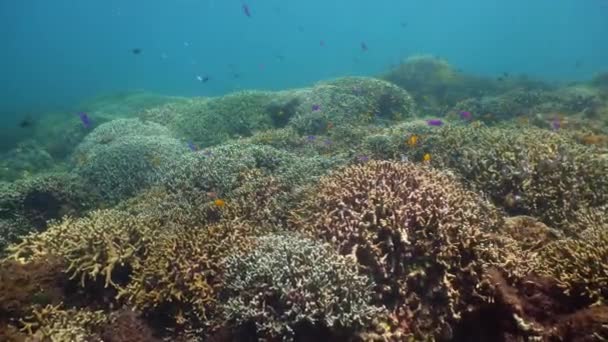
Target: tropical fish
x=556, y=123
x=218, y=202
x=434, y=122
x=362, y=158
x=246, y=10
x=465, y=115
x=311, y=138
x=192, y=146
x=316, y=107
x=426, y=157
x=84, y=118
x=412, y=141
x=330, y=125
x=136, y=51
x=364, y=46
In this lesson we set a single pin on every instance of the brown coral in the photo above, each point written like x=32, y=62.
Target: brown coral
x=93, y=246
x=57, y=324
x=127, y=326
x=415, y=230
x=177, y=279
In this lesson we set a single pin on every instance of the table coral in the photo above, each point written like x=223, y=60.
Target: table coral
x=417, y=232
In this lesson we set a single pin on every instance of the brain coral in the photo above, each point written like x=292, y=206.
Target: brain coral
x=122, y=157
x=416, y=231
x=286, y=283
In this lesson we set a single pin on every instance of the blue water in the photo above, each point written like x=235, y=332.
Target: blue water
x=57, y=53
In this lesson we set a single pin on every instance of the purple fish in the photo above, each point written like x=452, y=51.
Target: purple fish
x=246, y=10
x=464, y=115
x=363, y=46
x=328, y=142
x=192, y=147
x=556, y=123
x=434, y=122
x=362, y=158
x=311, y=138
x=316, y=107
x=84, y=118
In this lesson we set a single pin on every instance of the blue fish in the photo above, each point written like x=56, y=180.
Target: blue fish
x=246, y=10
x=84, y=118
x=192, y=147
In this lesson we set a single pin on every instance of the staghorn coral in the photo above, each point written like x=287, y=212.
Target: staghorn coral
x=93, y=247
x=57, y=324
x=417, y=232
x=286, y=284
x=178, y=278
x=122, y=157
x=579, y=265
x=526, y=171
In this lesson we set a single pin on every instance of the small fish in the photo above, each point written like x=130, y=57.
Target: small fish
x=412, y=141
x=465, y=115
x=505, y=74
x=328, y=142
x=84, y=118
x=202, y=79
x=211, y=194
x=404, y=158
x=322, y=43
x=556, y=123
x=136, y=51
x=246, y=10
x=316, y=108
x=192, y=146
x=219, y=202
x=364, y=46
x=404, y=24
x=426, y=157
x=500, y=78
x=434, y=122
x=311, y=138
x=330, y=125
x=26, y=122
x=362, y=158
x=207, y=153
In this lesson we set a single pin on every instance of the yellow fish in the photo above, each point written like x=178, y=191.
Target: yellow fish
x=426, y=157
x=412, y=141
x=219, y=203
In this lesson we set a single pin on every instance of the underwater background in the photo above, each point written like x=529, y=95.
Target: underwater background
x=304, y=171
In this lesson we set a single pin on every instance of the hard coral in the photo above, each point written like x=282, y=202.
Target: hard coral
x=122, y=157
x=417, y=232
x=94, y=246
x=127, y=326
x=177, y=280
x=57, y=324
x=526, y=171
x=287, y=284
x=578, y=265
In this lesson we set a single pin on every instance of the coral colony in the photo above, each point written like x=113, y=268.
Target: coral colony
x=258, y=216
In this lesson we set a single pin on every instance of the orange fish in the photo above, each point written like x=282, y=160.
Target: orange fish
x=412, y=141
x=219, y=203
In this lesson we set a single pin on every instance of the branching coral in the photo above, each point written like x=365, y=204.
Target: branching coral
x=178, y=278
x=93, y=246
x=286, y=283
x=417, y=232
x=579, y=265
x=526, y=171
x=56, y=324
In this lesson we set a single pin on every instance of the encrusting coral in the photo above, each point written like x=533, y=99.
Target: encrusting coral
x=286, y=284
x=420, y=235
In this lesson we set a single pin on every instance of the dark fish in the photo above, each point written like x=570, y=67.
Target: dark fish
x=316, y=107
x=500, y=78
x=26, y=122
x=136, y=51
x=505, y=74
x=84, y=118
x=363, y=46
x=321, y=42
x=404, y=24
x=246, y=10
x=192, y=146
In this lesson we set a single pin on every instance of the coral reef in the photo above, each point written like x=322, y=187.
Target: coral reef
x=178, y=278
x=102, y=245
x=526, y=171
x=28, y=204
x=287, y=283
x=417, y=232
x=122, y=157
x=127, y=326
x=57, y=324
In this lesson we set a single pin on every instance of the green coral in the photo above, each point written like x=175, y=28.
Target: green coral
x=286, y=281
